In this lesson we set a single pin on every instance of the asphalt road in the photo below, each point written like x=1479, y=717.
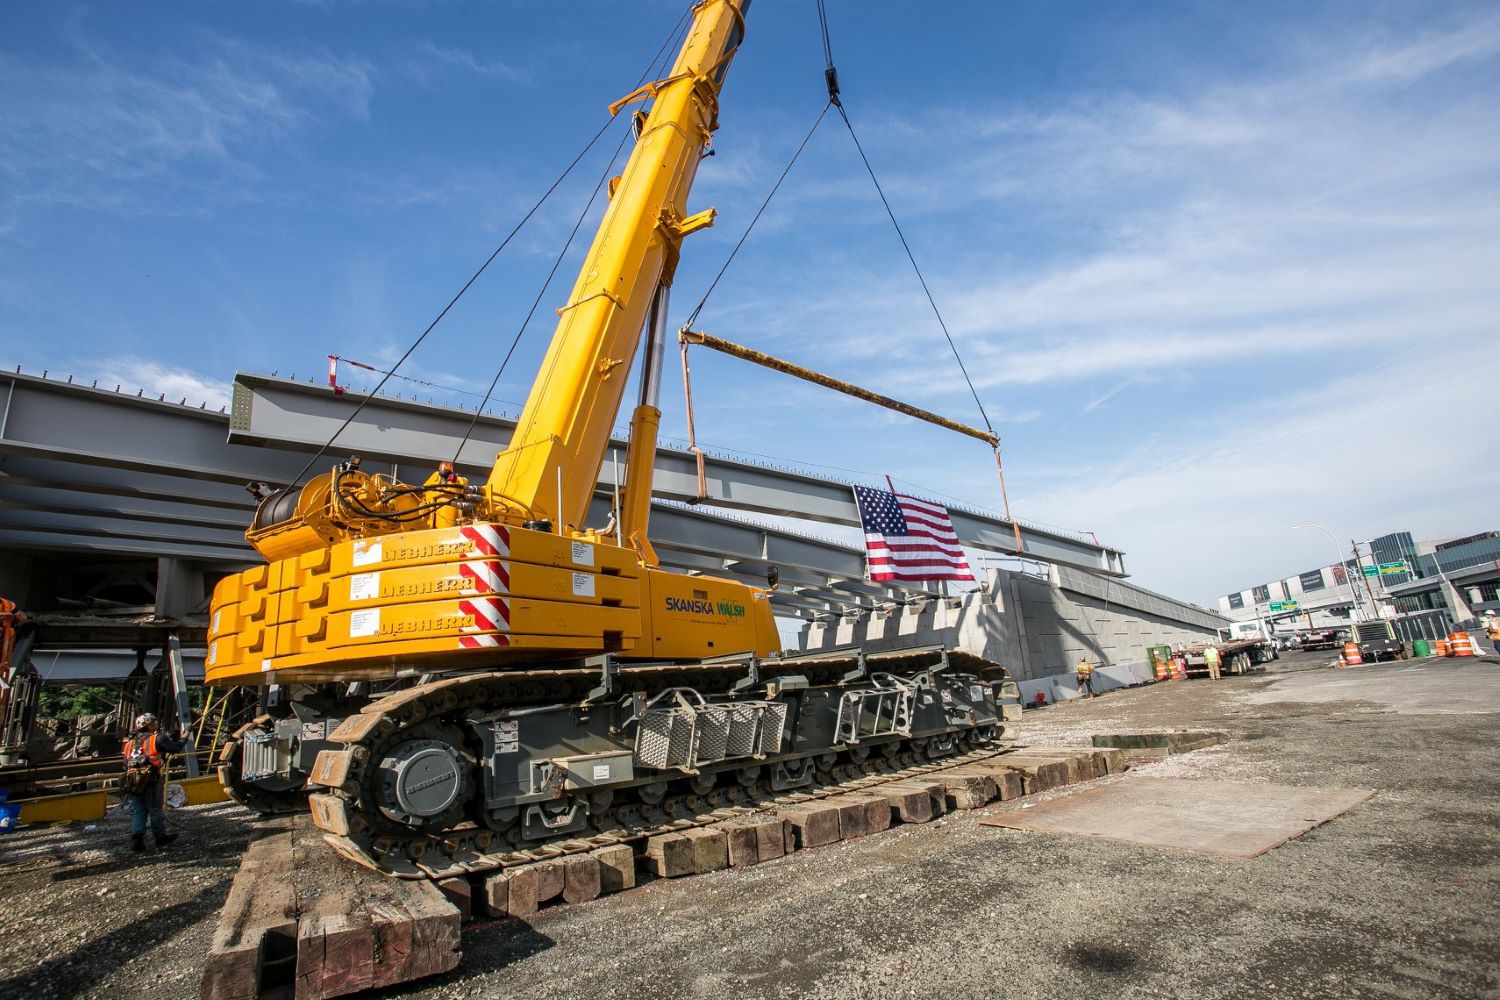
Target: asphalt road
x=1396, y=898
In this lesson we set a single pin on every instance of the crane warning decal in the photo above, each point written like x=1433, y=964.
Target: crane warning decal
x=490, y=614
x=363, y=586
x=487, y=577
x=486, y=539
x=363, y=624
x=482, y=642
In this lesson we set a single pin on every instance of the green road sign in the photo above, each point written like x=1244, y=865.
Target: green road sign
x=1370, y=570
x=1393, y=567
x=1284, y=605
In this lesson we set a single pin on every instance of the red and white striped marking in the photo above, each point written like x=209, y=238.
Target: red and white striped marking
x=488, y=577
x=487, y=539
x=482, y=641
x=491, y=614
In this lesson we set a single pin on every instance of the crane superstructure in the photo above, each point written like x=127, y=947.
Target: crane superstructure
x=458, y=660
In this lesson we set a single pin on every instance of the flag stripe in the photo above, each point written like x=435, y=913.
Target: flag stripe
x=909, y=539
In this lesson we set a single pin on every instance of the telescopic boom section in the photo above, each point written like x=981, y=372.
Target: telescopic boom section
x=552, y=463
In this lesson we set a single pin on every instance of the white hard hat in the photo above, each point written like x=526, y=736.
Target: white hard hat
x=145, y=719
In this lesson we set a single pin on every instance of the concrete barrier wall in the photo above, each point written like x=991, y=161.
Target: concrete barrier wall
x=1036, y=627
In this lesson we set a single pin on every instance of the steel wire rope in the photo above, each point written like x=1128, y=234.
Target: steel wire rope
x=654, y=68
x=758, y=212
x=323, y=450
x=831, y=77
x=547, y=284
x=918, y=270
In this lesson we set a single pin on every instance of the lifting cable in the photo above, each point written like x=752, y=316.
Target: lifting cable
x=831, y=80
x=758, y=212
x=650, y=67
x=654, y=70
x=556, y=263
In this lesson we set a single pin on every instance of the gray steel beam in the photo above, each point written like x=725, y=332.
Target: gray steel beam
x=107, y=543
x=82, y=504
x=107, y=474
x=279, y=413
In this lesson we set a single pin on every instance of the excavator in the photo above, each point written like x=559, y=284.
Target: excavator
x=458, y=668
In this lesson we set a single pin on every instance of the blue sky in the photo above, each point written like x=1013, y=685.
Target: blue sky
x=1203, y=260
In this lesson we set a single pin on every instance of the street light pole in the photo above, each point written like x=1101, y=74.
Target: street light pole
x=1339, y=561
x=1359, y=564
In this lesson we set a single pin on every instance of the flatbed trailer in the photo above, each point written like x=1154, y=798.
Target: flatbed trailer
x=1236, y=656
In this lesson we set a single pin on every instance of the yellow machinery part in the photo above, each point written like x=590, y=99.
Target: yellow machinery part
x=471, y=595
x=74, y=807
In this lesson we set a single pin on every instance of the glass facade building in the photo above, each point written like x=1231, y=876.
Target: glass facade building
x=1333, y=590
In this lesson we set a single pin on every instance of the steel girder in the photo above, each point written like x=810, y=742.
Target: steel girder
x=110, y=474
x=280, y=413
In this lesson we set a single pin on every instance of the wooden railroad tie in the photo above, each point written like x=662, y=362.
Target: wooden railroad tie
x=274, y=933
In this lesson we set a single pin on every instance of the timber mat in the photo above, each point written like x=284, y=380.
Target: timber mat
x=1222, y=818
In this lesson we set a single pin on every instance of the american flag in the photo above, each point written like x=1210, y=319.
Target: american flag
x=909, y=539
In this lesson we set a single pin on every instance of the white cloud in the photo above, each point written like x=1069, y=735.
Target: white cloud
x=108, y=132
x=1342, y=207
x=429, y=56
x=1206, y=507
x=151, y=378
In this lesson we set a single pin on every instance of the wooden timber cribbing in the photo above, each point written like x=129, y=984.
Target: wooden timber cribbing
x=299, y=924
x=732, y=838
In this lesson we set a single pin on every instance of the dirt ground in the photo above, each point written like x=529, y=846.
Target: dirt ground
x=1399, y=897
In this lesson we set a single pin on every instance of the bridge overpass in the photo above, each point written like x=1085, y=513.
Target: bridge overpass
x=102, y=476
x=121, y=506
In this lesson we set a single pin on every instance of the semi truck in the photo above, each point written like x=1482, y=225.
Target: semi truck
x=1236, y=656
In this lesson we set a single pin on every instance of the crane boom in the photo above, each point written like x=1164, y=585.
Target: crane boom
x=367, y=575
x=563, y=432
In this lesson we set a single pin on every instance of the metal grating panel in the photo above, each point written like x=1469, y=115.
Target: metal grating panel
x=693, y=733
x=742, y=725
x=772, y=727
x=713, y=735
x=261, y=756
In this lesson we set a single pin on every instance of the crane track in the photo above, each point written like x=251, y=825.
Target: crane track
x=456, y=855
x=263, y=801
x=342, y=802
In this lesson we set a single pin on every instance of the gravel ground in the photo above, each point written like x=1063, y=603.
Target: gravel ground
x=1396, y=898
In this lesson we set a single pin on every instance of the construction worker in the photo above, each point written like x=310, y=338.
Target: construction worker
x=1211, y=660
x=1085, y=673
x=144, y=753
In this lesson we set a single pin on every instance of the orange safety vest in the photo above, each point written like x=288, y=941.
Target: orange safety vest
x=148, y=747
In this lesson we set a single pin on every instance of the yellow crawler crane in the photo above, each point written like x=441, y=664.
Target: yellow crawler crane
x=458, y=662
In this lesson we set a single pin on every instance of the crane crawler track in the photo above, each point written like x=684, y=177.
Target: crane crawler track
x=456, y=854
x=353, y=808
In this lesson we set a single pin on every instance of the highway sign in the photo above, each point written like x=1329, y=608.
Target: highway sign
x=1393, y=567
x=1284, y=605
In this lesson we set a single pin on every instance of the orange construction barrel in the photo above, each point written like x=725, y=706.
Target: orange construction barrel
x=1351, y=654
x=1461, y=644
x=1441, y=647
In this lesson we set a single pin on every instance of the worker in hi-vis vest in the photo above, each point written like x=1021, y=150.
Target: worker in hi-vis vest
x=1211, y=660
x=1085, y=674
x=144, y=752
